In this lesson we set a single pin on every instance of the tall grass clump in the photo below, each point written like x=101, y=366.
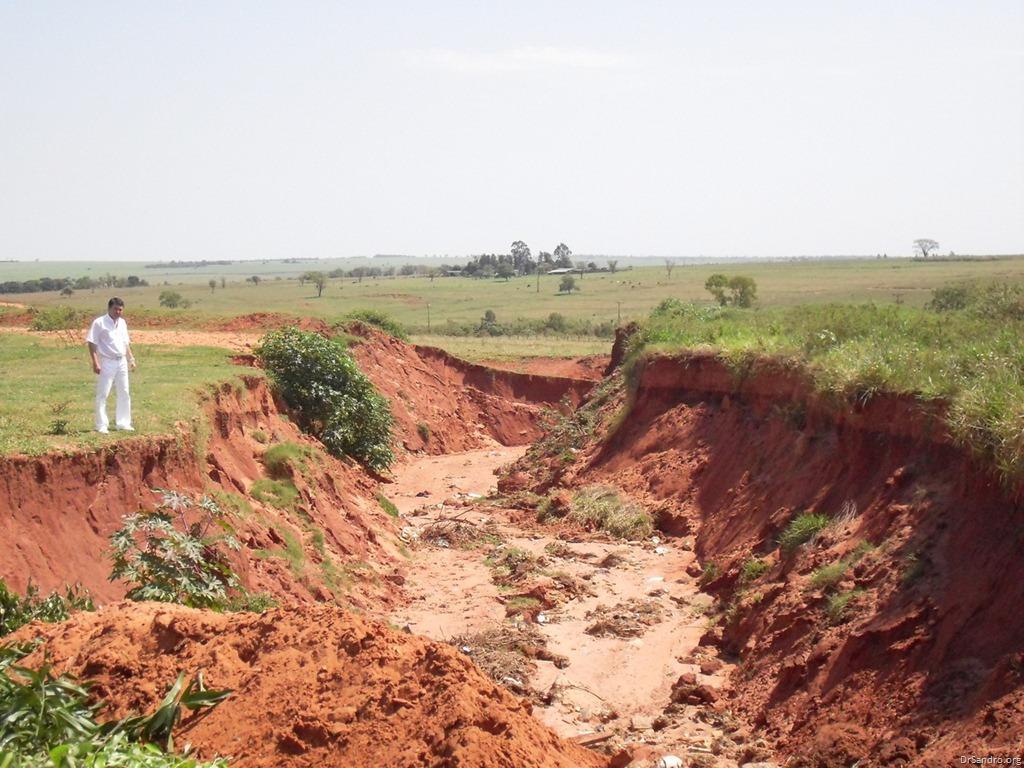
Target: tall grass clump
x=963, y=352
x=283, y=459
x=800, y=530
x=329, y=396
x=602, y=508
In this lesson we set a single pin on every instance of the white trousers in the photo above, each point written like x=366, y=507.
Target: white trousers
x=113, y=373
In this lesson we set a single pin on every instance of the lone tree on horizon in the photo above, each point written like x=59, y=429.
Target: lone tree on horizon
x=925, y=246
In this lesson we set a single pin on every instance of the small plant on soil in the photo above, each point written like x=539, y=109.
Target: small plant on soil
x=828, y=576
x=284, y=459
x=511, y=564
x=628, y=619
x=840, y=604
x=329, y=395
x=280, y=494
x=602, y=508
x=753, y=569
x=177, y=553
x=387, y=505
x=711, y=572
x=49, y=721
x=801, y=529
x=260, y=436
x=423, y=430
x=16, y=611
x=60, y=420
x=521, y=606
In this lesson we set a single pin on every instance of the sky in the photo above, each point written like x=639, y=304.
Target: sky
x=145, y=130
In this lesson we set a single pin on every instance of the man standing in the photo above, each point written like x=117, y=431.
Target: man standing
x=111, y=353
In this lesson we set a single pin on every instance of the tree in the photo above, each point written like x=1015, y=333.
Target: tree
x=742, y=290
x=612, y=265
x=213, y=285
x=924, y=246
x=319, y=280
x=174, y=300
x=521, y=257
x=670, y=264
x=254, y=279
x=568, y=284
x=563, y=256
x=223, y=282
x=505, y=270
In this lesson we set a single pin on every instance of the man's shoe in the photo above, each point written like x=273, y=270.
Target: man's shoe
x=127, y=429
x=103, y=431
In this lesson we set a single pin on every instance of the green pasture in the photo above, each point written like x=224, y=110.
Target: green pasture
x=37, y=374
x=625, y=295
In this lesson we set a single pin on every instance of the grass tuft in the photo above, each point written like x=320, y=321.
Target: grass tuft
x=602, y=508
x=800, y=530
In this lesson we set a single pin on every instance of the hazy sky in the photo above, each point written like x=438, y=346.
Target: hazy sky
x=187, y=130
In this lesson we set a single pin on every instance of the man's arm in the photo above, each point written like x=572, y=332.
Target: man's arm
x=95, y=357
x=129, y=355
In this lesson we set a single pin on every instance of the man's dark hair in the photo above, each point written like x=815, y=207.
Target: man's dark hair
x=115, y=302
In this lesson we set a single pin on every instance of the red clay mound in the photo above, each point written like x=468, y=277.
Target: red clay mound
x=313, y=686
x=268, y=321
x=443, y=404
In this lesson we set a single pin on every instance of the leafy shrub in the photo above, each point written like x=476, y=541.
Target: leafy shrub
x=16, y=611
x=59, y=423
x=48, y=721
x=174, y=555
x=380, y=320
x=711, y=572
x=329, y=395
x=742, y=290
x=602, y=508
x=57, y=319
x=800, y=530
x=423, y=430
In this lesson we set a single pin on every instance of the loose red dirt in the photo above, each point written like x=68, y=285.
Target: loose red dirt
x=312, y=686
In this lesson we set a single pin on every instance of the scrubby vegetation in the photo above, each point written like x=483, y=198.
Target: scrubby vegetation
x=964, y=351
x=176, y=553
x=48, y=721
x=329, y=395
x=800, y=530
x=16, y=611
x=377, y=319
x=604, y=509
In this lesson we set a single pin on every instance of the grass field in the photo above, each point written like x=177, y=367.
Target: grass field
x=971, y=358
x=39, y=373
x=510, y=348
x=625, y=295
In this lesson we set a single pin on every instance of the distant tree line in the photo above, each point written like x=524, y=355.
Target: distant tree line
x=174, y=264
x=67, y=284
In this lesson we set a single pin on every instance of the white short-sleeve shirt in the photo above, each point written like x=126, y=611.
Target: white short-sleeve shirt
x=109, y=335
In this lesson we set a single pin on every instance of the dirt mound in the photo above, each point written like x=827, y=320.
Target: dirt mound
x=313, y=686
x=588, y=368
x=268, y=321
x=898, y=622
x=443, y=404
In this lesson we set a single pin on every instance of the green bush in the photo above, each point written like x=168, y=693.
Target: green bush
x=329, y=395
x=16, y=611
x=800, y=530
x=176, y=553
x=57, y=318
x=380, y=320
x=839, y=605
